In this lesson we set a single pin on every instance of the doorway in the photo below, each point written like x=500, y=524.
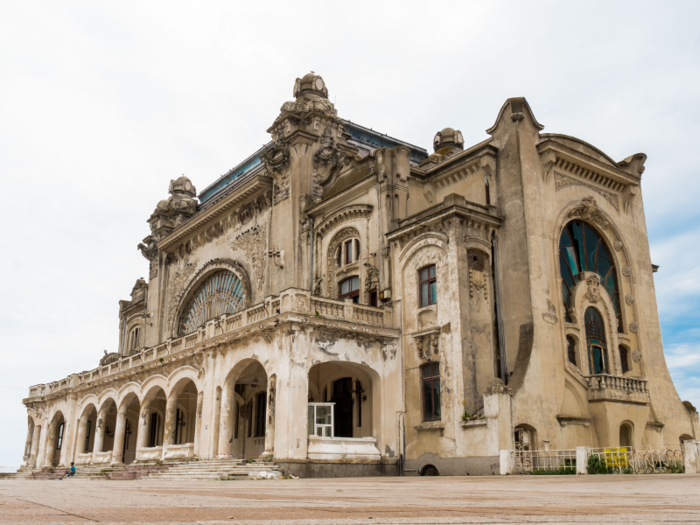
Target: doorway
x=342, y=397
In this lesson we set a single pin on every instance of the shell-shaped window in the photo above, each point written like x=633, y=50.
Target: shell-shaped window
x=221, y=293
x=582, y=249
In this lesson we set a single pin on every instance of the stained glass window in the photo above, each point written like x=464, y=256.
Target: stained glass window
x=595, y=340
x=222, y=293
x=582, y=249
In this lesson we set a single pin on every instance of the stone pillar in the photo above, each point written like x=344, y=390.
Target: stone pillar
x=50, y=446
x=36, y=438
x=582, y=460
x=144, y=428
x=226, y=419
x=82, y=431
x=28, y=445
x=198, y=425
x=506, y=457
x=497, y=410
x=99, y=433
x=270, y=424
x=170, y=421
x=691, y=456
x=119, y=433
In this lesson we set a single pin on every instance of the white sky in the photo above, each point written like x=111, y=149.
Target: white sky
x=102, y=103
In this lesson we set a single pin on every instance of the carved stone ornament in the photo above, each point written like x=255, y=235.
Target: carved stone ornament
x=280, y=190
x=277, y=158
x=254, y=243
x=634, y=327
x=636, y=356
x=328, y=158
x=618, y=245
x=626, y=271
x=588, y=210
x=562, y=181
x=427, y=344
x=173, y=211
x=593, y=290
x=629, y=298
x=477, y=274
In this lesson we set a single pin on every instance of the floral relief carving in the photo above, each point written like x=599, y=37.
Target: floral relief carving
x=254, y=243
x=629, y=298
x=562, y=181
x=588, y=210
x=179, y=276
x=626, y=271
x=618, y=245
x=634, y=327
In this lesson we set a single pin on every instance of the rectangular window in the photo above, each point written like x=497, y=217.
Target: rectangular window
x=571, y=348
x=373, y=297
x=349, y=288
x=358, y=397
x=357, y=249
x=260, y=413
x=431, y=391
x=320, y=420
x=428, y=286
x=348, y=252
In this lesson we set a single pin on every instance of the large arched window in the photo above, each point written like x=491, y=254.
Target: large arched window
x=582, y=249
x=595, y=341
x=222, y=293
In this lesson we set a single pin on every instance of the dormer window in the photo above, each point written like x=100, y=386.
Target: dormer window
x=348, y=252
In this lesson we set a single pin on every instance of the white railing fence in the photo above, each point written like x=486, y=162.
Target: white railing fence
x=612, y=460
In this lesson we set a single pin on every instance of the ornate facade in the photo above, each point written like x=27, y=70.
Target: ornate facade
x=352, y=305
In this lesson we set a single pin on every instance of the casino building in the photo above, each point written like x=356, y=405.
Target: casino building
x=350, y=304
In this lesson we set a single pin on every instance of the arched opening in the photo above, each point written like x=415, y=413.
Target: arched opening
x=86, y=430
x=344, y=408
x=128, y=429
x=583, y=249
x=222, y=292
x=56, y=439
x=525, y=438
x=429, y=470
x=344, y=411
x=152, y=422
x=107, y=424
x=626, y=434
x=596, y=342
x=181, y=419
x=244, y=423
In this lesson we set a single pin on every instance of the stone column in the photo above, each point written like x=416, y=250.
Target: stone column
x=144, y=428
x=28, y=445
x=270, y=423
x=82, y=431
x=99, y=434
x=170, y=421
x=226, y=419
x=119, y=433
x=36, y=438
x=50, y=446
x=198, y=425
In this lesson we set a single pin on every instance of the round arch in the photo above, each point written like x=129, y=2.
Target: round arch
x=241, y=291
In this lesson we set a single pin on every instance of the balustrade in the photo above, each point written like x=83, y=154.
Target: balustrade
x=617, y=388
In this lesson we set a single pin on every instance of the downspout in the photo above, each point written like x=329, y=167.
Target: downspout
x=499, y=314
x=311, y=255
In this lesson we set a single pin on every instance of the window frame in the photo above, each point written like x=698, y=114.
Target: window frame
x=625, y=365
x=602, y=342
x=260, y=414
x=432, y=296
x=571, y=345
x=435, y=415
x=352, y=294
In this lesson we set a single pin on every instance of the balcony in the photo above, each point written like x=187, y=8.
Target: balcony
x=605, y=387
x=293, y=304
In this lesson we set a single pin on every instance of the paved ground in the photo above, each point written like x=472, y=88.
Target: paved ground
x=438, y=500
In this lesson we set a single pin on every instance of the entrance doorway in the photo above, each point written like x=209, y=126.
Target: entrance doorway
x=342, y=397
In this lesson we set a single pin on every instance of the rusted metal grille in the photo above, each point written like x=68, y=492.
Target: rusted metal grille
x=222, y=293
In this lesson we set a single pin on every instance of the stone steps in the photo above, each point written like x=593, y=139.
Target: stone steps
x=212, y=470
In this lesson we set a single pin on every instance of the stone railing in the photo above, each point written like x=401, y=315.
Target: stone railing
x=605, y=387
x=292, y=301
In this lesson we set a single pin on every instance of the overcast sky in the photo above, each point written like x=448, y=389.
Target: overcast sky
x=103, y=103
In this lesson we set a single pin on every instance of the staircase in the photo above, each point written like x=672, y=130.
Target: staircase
x=213, y=470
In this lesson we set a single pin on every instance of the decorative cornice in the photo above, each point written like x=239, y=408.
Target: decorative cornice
x=349, y=213
x=255, y=185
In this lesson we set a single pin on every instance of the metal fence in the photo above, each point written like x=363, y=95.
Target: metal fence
x=8, y=470
x=544, y=461
x=635, y=460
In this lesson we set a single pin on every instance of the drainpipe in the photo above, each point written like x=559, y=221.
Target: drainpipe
x=311, y=255
x=499, y=314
